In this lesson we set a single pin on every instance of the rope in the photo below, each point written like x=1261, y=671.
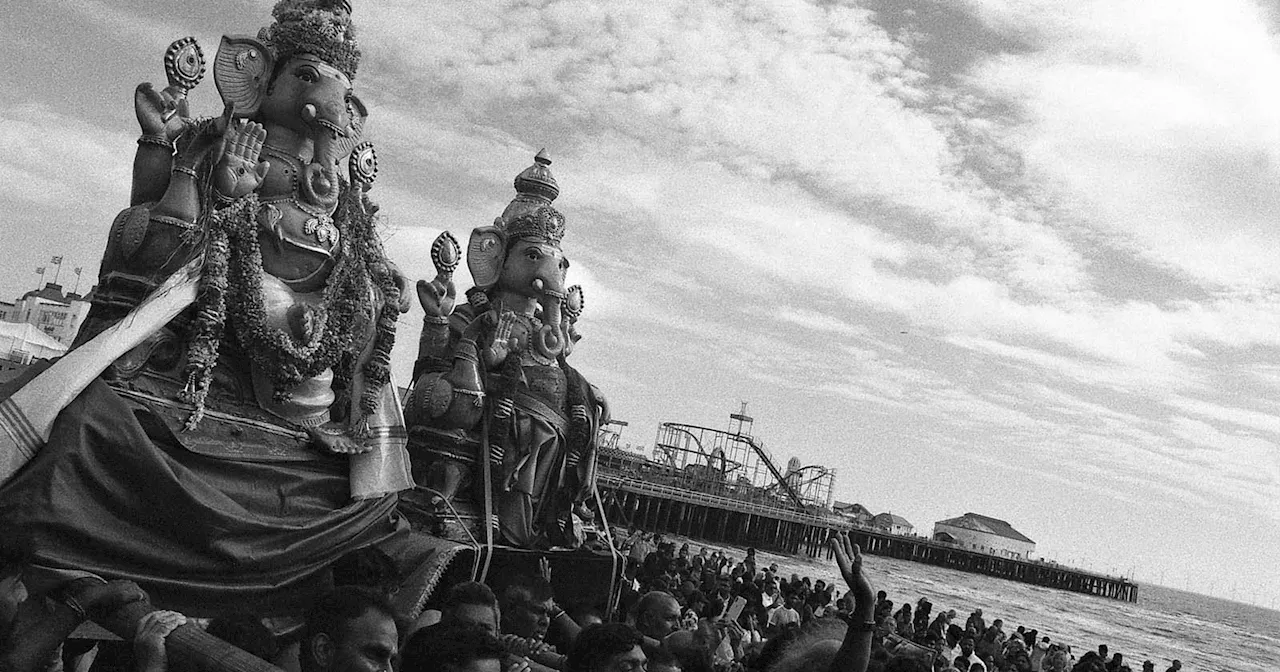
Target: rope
x=614, y=554
x=487, y=474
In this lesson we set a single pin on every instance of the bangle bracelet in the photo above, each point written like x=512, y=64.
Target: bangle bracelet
x=148, y=139
x=435, y=319
x=75, y=606
x=186, y=171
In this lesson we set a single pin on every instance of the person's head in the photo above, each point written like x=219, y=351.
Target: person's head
x=526, y=607
x=881, y=595
x=453, y=648
x=662, y=660
x=1177, y=664
x=691, y=649
x=471, y=603
x=607, y=647
x=1148, y=666
x=657, y=614
x=966, y=645
x=1102, y=651
x=350, y=629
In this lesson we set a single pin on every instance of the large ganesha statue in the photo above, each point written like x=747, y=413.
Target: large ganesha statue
x=233, y=452
x=273, y=194
x=495, y=403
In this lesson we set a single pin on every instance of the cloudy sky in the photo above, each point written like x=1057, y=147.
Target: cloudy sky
x=1019, y=259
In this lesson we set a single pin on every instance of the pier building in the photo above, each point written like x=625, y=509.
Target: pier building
x=984, y=533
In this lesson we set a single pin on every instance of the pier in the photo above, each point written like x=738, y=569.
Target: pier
x=718, y=519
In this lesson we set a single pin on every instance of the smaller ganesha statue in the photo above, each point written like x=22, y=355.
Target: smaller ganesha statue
x=495, y=403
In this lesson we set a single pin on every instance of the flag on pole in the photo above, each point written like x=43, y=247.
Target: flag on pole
x=56, y=261
x=40, y=270
x=78, y=269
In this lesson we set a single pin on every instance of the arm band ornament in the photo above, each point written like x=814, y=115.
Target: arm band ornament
x=435, y=319
x=148, y=139
x=186, y=171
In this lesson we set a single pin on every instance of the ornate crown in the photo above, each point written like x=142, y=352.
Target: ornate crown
x=542, y=223
x=535, y=188
x=321, y=28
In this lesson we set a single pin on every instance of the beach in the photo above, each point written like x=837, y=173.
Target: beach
x=1206, y=633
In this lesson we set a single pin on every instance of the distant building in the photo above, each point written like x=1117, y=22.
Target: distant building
x=855, y=513
x=984, y=534
x=56, y=314
x=20, y=343
x=887, y=522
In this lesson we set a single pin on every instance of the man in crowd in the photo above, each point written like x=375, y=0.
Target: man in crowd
x=657, y=615
x=783, y=616
x=30, y=633
x=608, y=647
x=351, y=629
x=528, y=608
x=473, y=604
x=967, y=657
x=976, y=625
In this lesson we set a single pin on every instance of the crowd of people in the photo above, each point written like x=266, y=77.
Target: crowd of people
x=678, y=611
x=906, y=638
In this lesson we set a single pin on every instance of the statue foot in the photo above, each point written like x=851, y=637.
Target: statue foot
x=332, y=437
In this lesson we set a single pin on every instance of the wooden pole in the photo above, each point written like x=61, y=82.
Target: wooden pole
x=188, y=644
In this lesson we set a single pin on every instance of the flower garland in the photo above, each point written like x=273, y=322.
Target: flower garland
x=232, y=286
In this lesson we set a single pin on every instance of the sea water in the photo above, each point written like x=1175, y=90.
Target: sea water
x=1206, y=633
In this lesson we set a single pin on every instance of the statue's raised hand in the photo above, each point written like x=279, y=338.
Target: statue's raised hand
x=161, y=114
x=504, y=342
x=438, y=296
x=239, y=172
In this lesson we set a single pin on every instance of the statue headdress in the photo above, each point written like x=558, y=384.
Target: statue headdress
x=530, y=215
x=321, y=28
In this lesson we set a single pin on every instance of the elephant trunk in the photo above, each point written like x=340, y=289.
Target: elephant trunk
x=549, y=342
x=319, y=181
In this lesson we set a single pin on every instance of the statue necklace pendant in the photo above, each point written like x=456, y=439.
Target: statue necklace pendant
x=320, y=221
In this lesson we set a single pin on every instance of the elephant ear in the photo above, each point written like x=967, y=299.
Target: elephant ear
x=241, y=71
x=485, y=253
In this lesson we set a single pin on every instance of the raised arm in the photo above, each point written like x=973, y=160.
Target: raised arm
x=855, y=652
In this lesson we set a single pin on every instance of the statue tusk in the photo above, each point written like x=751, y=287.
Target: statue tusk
x=537, y=284
x=309, y=112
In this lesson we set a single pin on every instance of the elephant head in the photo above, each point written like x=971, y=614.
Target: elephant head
x=521, y=260
x=299, y=96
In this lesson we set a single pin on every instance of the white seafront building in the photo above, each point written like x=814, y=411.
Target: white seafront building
x=984, y=534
